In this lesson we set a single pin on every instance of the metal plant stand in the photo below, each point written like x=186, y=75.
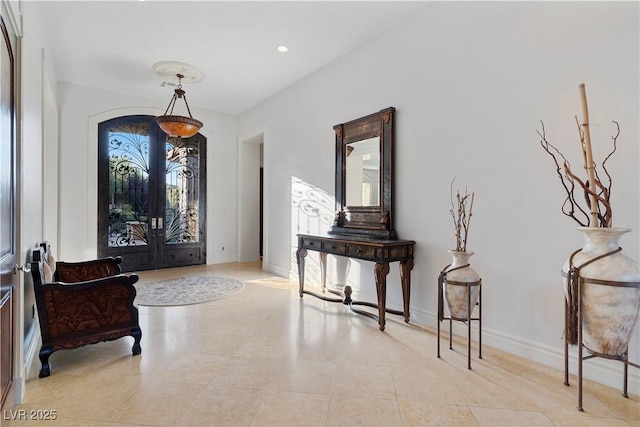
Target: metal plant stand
x=442, y=280
x=624, y=358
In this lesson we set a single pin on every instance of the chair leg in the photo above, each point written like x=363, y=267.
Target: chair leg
x=137, y=336
x=45, y=371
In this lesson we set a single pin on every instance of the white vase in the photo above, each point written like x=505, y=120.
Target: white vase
x=456, y=292
x=609, y=311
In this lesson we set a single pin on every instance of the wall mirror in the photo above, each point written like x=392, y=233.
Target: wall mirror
x=364, y=181
x=362, y=173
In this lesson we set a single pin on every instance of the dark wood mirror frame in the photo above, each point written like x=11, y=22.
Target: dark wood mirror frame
x=366, y=221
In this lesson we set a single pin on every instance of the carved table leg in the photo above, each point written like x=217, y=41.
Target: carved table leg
x=300, y=254
x=323, y=270
x=405, y=276
x=381, y=270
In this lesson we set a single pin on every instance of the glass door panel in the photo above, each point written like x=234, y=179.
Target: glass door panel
x=128, y=185
x=182, y=216
x=183, y=197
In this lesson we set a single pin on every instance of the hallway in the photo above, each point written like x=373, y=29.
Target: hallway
x=262, y=357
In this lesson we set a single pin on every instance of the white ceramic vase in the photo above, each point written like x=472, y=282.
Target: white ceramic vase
x=609, y=313
x=456, y=293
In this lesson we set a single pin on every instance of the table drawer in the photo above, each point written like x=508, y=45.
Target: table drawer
x=399, y=252
x=361, y=251
x=335, y=248
x=311, y=243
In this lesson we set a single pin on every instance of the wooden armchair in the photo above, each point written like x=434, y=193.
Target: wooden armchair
x=82, y=303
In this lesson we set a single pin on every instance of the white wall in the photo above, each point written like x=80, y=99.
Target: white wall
x=81, y=109
x=50, y=150
x=35, y=69
x=471, y=82
x=32, y=131
x=249, y=151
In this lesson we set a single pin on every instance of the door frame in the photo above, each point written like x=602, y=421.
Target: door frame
x=92, y=176
x=10, y=263
x=157, y=252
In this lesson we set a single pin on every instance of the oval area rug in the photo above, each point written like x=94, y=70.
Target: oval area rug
x=186, y=290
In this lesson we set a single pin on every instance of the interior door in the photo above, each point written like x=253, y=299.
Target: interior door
x=8, y=211
x=151, y=195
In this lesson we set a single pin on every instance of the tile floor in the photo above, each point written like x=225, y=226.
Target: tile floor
x=263, y=357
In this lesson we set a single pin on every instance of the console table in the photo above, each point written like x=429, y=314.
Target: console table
x=382, y=252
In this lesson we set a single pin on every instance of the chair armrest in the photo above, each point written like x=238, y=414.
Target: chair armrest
x=126, y=280
x=71, y=272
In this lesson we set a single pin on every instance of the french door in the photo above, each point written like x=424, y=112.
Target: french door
x=151, y=195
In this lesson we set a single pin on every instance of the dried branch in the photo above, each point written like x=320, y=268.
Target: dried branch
x=461, y=217
x=600, y=198
x=466, y=229
x=456, y=224
x=596, y=199
x=570, y=204
x=614, y=138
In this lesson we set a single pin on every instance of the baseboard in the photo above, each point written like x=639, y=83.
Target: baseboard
x=282, y=272
x=34, y=343
x=600, y=370
x=223, y=259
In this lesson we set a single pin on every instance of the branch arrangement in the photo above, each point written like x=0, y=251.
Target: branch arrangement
x=461, y=212
x=588, y=200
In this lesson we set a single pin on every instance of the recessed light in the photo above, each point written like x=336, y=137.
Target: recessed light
x=282, y=49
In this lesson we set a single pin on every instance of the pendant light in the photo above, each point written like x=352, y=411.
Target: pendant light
x=175, y=125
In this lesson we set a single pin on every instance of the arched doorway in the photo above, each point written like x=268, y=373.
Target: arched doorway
x=151, y=195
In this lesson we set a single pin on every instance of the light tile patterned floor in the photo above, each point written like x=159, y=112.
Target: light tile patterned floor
x=262, y=357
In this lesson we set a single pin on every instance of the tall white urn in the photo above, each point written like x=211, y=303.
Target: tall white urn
x=456, y=290
x=610, y=296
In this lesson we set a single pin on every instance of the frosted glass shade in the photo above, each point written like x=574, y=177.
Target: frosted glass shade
x=181, y=126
